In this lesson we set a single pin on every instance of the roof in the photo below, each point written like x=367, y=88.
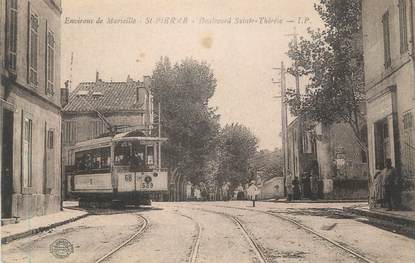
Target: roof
x=125, y=136
x=105, y=97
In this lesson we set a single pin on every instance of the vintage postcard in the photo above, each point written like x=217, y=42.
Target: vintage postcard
x=207, y=131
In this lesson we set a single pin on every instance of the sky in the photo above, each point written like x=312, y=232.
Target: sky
x=242, y=54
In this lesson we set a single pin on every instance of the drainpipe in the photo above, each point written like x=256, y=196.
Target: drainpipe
x=411, y=2
x=412, y=29
x=63, y=183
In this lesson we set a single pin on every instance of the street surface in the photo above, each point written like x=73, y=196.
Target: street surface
x=219, y=232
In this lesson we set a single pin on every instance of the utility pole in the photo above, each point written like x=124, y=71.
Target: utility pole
x=284, y=120
x=159, y=143
x=297, y=76
x=284, y=117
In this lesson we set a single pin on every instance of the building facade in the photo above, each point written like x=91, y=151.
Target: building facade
x=331, y=153
x=389, y=53
x=30, y=120
x=93, y=107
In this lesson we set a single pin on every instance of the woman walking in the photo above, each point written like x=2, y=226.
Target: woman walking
x=378, y=187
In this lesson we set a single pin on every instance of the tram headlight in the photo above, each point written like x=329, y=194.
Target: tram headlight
x=148, y=179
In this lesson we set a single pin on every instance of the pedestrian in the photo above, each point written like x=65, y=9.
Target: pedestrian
x=389, y=177
x=378, y=188
x=314, y=185
x=306, y=185
x=296, y=188
x=252, y=192
x=289, y=187
x=226, y=191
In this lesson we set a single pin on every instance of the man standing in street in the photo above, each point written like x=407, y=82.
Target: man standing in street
x=289, y=186
x=389, y=178
x=253, y=192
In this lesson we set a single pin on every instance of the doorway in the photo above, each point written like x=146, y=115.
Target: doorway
x=382, y=143
x=7, y=167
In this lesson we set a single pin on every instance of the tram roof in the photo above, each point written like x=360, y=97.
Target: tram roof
x=125, y=136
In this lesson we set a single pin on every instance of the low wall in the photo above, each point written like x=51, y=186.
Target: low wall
x=351, y=189
x=273, y=188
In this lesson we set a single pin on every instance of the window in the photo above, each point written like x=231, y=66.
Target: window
x=93, y=161
x=382, y=143
x=385, y=130
x=69, y=132
x=138, y=157
x=150, y=155
x=50, y=139
x=12, y=36
x=27, y=152
x=408, y=120
x=386, y=40
x=33, y=49
x=307, y=142
x=403, y=31
x=122, y=153
x=50, y=63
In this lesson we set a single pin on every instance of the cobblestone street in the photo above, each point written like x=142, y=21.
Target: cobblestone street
x=219, y=232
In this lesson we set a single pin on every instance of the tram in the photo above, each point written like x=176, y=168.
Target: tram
x=119, y=170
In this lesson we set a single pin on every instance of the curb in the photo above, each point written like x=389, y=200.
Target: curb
x=382, y=216
x=315, y=201
x=8, y=239
x=401, y=224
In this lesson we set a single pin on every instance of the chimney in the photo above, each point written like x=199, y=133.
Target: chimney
x=65, y=94
x=129, y=79
x=97, y=79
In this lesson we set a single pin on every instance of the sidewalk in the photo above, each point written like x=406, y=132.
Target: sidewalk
x=313, y=201
x=404, y=219
x=37, y=224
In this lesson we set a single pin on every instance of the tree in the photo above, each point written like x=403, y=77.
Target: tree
x=190, y=125
x=269, y=162
x=332, y=59
x=236, y=148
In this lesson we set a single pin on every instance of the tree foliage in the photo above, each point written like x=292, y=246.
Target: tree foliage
x=191, y=126
x=332, y=60
x=269, y=163
x=236, y=148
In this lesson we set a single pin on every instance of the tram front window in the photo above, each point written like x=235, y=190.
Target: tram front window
x=122, y=153
x=138, y=157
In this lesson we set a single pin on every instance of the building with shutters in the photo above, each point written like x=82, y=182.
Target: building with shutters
x=30, y=121
x=389, y=54
x=92, y=107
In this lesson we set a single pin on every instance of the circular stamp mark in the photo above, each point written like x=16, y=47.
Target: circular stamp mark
x=61, y=248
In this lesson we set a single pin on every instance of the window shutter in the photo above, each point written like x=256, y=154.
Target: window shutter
x=386, y=40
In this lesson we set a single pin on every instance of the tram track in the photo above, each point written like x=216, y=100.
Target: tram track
x=251, y=240
x=194, y=251
x=137, y=234
x=307, y=229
